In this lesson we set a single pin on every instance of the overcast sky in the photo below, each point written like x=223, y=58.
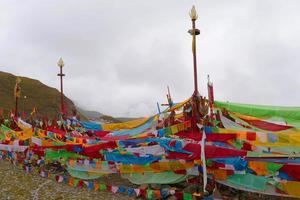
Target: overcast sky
x=121, y=55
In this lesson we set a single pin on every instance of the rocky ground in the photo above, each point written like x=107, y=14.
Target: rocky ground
x=16, y=184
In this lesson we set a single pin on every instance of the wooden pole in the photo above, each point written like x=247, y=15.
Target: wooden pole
x=195, y=59
x=61, y=64
x=158, y=108
x=61, y=92
x=16, y=107
x=195, y=104
x=195, y=96
x=17, y=93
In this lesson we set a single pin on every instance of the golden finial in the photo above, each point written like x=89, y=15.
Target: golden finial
x=193, y=13
x=61, y=63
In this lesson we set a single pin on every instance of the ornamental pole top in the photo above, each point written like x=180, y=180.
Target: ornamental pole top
x=193, y=13
x=60, y=62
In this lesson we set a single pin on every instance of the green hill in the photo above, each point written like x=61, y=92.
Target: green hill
x=33, y=94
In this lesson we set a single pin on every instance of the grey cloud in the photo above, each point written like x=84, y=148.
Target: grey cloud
x=121, y=55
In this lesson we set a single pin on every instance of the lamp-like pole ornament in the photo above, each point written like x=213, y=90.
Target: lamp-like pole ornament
x=194, y=32
x=61, y=64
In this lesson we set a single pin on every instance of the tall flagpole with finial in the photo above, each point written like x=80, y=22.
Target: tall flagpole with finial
x=17, y=93
x=195, y=105
x=194, y=32
x=61, y=64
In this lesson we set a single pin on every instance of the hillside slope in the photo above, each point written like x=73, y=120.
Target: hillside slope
x=33, y=94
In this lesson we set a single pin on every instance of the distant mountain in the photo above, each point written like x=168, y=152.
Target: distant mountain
x=126, y=119
x=107, y=119
x=96, y=116
x=101, y=118
x=89, y=114
x=33, y=94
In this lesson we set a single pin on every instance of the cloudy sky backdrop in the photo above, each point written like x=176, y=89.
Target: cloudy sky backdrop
x=121, y=55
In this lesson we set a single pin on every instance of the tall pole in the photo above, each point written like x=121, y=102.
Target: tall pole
x=17, y=93
x=194, y=32
x=16, y=107
x=195, y=102
x=195, y=99
x=61, y=65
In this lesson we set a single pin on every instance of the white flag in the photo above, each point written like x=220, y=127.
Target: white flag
x=203, y=141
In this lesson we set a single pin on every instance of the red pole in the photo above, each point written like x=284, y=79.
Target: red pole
x=17, y=93
x=195, y=106
x=61, y=64
x=61, y=92
x=195, y=59
x=16, y=107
